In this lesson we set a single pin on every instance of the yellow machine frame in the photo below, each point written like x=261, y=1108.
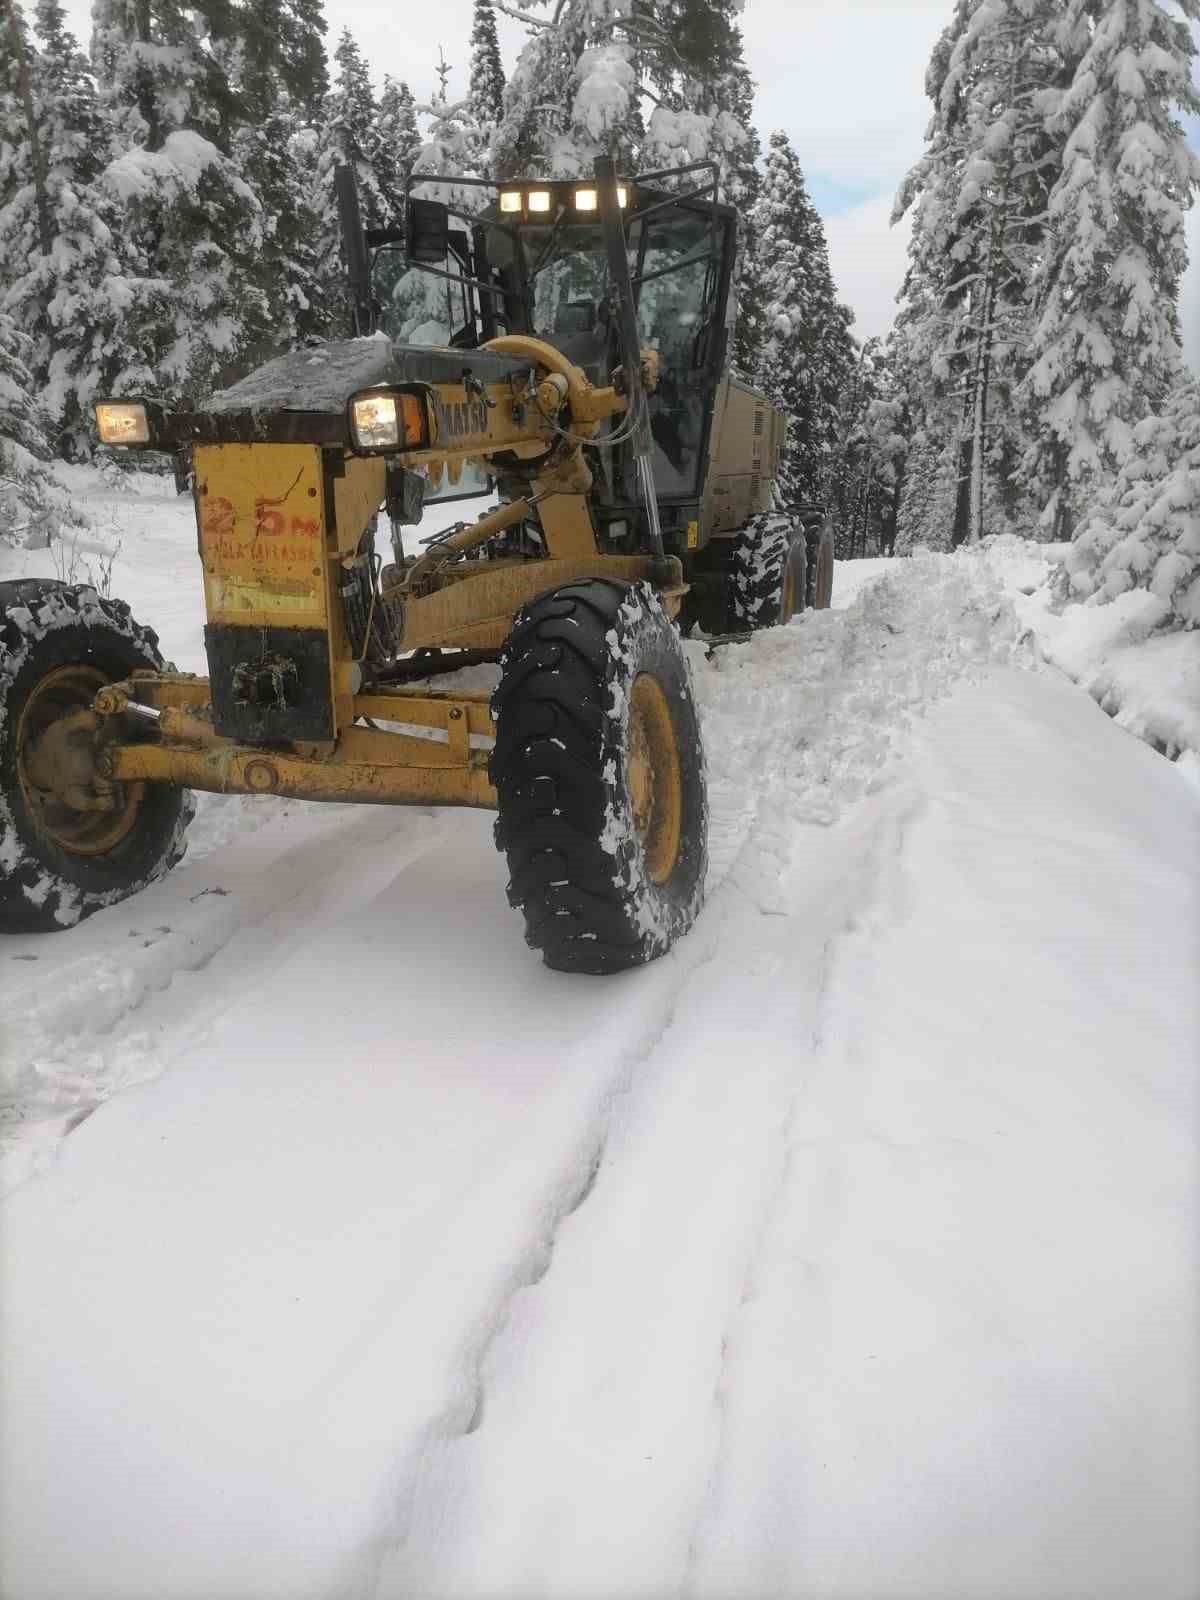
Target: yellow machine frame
x=275, y=523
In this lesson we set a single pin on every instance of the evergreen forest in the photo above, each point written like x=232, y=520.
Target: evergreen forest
x=167, y=222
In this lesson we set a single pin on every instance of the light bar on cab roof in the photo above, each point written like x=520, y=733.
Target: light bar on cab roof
x=540, y=202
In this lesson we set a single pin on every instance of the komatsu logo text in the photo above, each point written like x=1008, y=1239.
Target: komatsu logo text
x=459, y=419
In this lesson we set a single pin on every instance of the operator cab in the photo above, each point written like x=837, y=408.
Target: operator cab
x=532, y=260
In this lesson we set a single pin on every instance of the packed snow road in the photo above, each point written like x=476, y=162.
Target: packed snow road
x=848, y=1250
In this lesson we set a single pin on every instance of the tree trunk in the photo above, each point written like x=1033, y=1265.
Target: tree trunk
x=962, y=499
x=887, y=543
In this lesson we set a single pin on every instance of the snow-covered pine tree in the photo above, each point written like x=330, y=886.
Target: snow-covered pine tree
x=1106, y=341
x=61, y=297
x=351, y=119
x=1145, y=531
x=351, y=137
x=26, y=491
x=279, y=44
x=454, y=144
x=22, y=156
x=573, y=95
x=277, y=157
x=883, y=442
x=697, y=72
x=807, y=352
x=398, y=138
x=978, y=196
x=487, y=74
x=276, y=66
x=189, y=226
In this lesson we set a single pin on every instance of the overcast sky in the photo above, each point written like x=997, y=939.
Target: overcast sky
x=844, y=78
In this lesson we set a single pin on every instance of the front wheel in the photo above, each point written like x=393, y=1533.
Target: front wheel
x=599, y=772
x=62, y=855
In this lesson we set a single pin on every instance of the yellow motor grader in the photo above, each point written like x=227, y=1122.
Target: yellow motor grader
x=560, y=347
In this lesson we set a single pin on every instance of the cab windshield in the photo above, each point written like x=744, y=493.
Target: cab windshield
x=555, y=281
x=567, y=268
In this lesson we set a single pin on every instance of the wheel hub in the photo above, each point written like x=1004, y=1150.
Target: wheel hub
x=56, y=766
x=655, y=778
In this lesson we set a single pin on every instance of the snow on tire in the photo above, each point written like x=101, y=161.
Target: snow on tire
x=767, y=572
x=599, y=772
x=58, y=644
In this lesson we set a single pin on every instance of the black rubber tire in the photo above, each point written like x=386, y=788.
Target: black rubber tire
x=759, y=558
x=820, y=566
x=578, y=869
x=44, y=887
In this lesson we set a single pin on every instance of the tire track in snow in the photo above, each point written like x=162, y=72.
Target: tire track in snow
x=417, y=1474
x=503, y=1507
x=823, y=1099
x=105, y=1010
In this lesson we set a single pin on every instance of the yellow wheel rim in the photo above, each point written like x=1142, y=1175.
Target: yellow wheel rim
x=82, y=833
x=655, y=777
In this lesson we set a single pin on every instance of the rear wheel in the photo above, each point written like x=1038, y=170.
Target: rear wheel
x=767, y=573
x=599, y=772
x=61, y=856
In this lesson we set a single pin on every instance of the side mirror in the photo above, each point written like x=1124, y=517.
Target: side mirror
x=428, y=232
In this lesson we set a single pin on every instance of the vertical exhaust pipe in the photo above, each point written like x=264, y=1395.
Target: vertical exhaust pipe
x=354, y=250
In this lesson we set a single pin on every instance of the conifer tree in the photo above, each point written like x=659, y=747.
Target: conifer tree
x=1145, y=530
x=573, y=94
x=25, y=485
x=22, y=154
x=274, y=59
x=807, y=351
x=351, y=139
x=978, y=197
x=279, y=45
x=695, y=64
x=1106, y=341
x=487, y=69
x=351, y=115
x=190, y=229
x=71, y=297
x=276, y=155
x=397, y=135
x=453, y=145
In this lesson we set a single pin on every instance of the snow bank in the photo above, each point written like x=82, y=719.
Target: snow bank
x=1141, y=670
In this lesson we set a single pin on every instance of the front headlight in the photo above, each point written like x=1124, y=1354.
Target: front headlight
x=386, y=419
x=375, y=422
x=122, y=422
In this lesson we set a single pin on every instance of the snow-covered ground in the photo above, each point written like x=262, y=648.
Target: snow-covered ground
x=850, y=1250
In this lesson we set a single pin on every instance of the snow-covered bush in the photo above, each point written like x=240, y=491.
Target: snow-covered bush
x=1145, y=532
